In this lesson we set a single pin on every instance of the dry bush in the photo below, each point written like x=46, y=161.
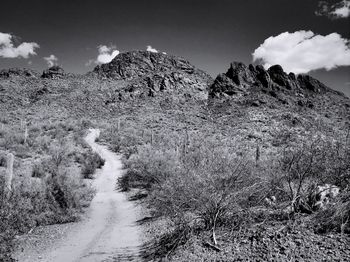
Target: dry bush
x=210, y=185
x=194, y=182
x=148, y=167
x=90, y=162
x=54, y=193
x=298, y=172
x=301, y=169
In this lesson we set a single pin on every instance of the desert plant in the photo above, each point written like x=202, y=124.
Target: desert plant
x=91, y=161
x=9, y=173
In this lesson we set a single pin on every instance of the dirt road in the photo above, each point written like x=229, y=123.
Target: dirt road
x=109, y=231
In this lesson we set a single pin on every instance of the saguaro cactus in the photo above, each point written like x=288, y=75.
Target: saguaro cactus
x=25, y=134
x=186, y=142
x=9, y=173
x=152, y=137
x=257, y=154
x=118, y=125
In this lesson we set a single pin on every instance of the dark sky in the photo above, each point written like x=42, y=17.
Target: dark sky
x=209, y=33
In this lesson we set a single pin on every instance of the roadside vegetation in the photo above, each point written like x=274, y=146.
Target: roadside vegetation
x=47, y=183
x=203, y=189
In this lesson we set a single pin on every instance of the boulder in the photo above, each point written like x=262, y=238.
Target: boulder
x=5, y=73
x=324, y=194
x=53, y=72
x=263, y=76
x=307, y=82
x=279, y=76
x=223, y=85
x=240, y=74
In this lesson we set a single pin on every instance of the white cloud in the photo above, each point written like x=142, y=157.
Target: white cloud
x=105, y=54
x=342, y=10
x=151, y=49
x=304, y=51
x=51, y=60
x=336, y=11
x=8, y=50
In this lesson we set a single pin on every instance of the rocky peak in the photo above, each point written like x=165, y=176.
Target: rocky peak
x=53, y=72
x=23, y=72
x=140, y=63
x=240, y=74
x=239, y=79
x=151, y=74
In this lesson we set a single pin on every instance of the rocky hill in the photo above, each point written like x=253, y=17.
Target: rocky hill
x=270, y=104
x=147, y=86
x=149, y=73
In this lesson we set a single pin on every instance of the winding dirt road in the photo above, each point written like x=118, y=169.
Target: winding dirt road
x=109, y=231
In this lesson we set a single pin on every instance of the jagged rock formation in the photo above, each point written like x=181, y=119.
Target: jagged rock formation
x=149, y=74
x=22, y=72
x=53, y=72
x=239, y=79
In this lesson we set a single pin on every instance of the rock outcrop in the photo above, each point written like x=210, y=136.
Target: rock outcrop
x=239, y=78
x=22, y=72
x=53, y=72
x=150, y=74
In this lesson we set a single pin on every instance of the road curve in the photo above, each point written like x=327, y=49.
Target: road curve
x=109, y=231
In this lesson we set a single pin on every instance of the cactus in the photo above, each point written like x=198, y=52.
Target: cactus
x=9, y=173
x=118, y=125
x=186, y=142
x=152, y=137
x=257, y=154
x=25, y=134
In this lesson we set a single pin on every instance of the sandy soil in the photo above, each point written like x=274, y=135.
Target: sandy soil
x=108, y=233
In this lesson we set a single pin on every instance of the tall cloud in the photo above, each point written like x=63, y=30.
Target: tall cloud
x=304, y=51
x=51, y=60
x=8, y=50
x=151, y=49
x=335, y=11
x=106, y=54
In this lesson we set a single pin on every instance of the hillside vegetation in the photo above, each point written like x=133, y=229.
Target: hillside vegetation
x=227, y=168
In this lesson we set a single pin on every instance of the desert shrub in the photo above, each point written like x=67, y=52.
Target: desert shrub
x=42, y=167
x=54, y=193
x=148, y=167
x=2, y=133
x=300, y=169
x=336, y=217
x=15, y=217
x=196, y=184
x=90, y=162
x=211, y=185
x=123, y=141
x=85, y=123
x=59, y=152
x=34, y=129
x=297, y=173
x=3, y=160
x=43, y=143
x=67, y=192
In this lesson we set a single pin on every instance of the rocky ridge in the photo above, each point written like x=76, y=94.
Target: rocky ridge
x=149, y=74
x=53, y=72
x=239, y=79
